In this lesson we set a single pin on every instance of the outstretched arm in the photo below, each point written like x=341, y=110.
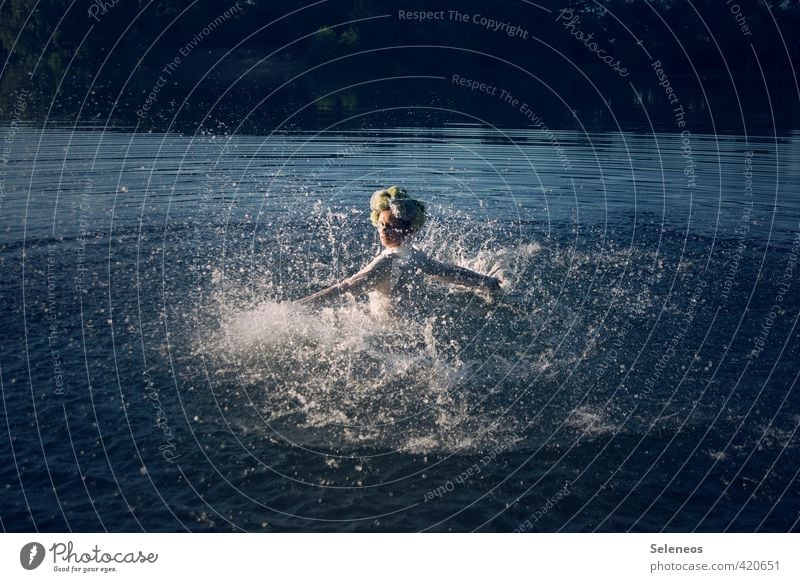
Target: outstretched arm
x=365, y=280
x=460, y=276
x=328, y=294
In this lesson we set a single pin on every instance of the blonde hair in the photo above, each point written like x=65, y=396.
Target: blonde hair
x=396, y=200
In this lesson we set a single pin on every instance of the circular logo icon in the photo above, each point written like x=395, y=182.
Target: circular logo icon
x=31, y=556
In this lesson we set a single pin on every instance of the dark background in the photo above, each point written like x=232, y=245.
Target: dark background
x=82, y=70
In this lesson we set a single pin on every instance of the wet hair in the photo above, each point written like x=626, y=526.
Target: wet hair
x=409, y=212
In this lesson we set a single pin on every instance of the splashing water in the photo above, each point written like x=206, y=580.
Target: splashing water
x=345, y=376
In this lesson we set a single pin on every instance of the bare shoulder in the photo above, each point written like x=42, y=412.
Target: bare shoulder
x=420, y=256
x=375, y=268
x=426, y=261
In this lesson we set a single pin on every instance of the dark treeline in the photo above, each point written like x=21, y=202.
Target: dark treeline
x=96, y=54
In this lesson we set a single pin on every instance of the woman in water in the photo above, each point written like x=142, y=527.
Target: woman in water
x=397, y=271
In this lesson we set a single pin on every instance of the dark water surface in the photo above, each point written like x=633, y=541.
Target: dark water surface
x=639, y=373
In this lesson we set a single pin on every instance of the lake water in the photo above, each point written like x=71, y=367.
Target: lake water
x=639, y=373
